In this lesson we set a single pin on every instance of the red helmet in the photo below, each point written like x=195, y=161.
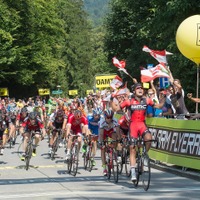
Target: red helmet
x=108, y=113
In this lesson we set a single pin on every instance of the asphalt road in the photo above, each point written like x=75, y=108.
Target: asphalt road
x=48, y=179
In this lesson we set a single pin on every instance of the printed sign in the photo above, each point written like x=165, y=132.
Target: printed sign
x=89, y=91
x=73, y=92
x=4, y=92
x=104, y=81
x=187, y=143
x=42, y=92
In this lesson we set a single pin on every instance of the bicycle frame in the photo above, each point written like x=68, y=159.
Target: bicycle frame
x=57, y=140
x=74, y=154
x=111, y=159
x=143, y=168
x=88, y=155
x=29, y=149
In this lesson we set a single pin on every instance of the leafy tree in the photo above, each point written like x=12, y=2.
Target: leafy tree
x=132, y=24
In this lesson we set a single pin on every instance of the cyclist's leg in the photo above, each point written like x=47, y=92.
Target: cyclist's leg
x=134, y=128
x=69, y=144
x=37, y=140
x=26, y=137
x=147, y=136
x=102, y=137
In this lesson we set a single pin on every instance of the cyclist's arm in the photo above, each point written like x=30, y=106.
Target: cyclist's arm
x=101, y=131
x=68, y=129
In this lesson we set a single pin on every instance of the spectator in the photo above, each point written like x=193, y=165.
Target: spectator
x=196, y=100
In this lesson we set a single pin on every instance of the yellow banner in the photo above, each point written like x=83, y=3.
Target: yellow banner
x=104, y=81
x=42, y=91
x=4, y=92
x=89, y=91
x=73, y=92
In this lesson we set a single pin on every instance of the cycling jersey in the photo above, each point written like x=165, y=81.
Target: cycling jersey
x=76, y=123
x=94, y=128
x=138, y=112
x=108, y=128
x=29, y=127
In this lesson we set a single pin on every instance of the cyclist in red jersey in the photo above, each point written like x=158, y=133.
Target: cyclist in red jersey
x=77, y=124
x=32, y=123
x=21, y=116
x=137, y=106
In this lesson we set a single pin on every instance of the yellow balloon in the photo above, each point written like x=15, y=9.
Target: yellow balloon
x=188, y=38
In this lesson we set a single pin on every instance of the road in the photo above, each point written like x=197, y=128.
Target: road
x=48, y=179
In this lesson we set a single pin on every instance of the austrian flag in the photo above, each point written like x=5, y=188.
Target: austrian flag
x=160, y=56
x=159, y=70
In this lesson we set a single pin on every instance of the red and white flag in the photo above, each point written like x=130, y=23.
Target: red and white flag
x=120, y=65
x=160, y=56
x=116, y=82
x=159, y=70
x=117, y=63
x=119, y=92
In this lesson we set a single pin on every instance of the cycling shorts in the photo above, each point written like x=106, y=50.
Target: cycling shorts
x=137, y=129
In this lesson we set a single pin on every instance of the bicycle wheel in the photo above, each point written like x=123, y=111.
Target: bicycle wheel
x=28, y=156
x=85, y=159
x=115, y=166
x=146, y=172
x=120, y=165
x=127, y=164
x=54, y=148
x=138, y=170
x=75, y=160
x=90, y=163
x=69, y=164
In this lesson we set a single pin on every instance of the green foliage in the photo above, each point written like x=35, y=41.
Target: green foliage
x=132, y=24
x=96, y=10
x=45, y=44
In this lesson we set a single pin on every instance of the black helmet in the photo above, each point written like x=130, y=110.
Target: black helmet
x=32, y=115
x=136, y=85
x=60, y=113
x=24, y=109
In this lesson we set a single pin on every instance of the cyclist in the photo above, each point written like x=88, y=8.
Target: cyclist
x=93, y=128
x=57, y=121
x=3, y=134
x=137, y=106
x=38, y=110
x=32, y=123
x=21, y=116
x=77, y=123
x=108, y=127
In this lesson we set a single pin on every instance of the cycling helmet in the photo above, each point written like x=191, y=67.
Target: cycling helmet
x=60, y=113
x=136, y=85
x=73, y=107
x=97, y=111
x=108, y=113
x=32, y=115
x=77, y=114
x=24, y=109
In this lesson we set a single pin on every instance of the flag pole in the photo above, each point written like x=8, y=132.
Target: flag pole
x=197, y=89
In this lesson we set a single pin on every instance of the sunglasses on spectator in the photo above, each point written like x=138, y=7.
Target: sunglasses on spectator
x=137, y=88
x=150, y=94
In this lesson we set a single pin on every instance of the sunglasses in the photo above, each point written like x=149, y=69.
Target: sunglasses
x=108, y=117
x=150, y=94
x=137, y=88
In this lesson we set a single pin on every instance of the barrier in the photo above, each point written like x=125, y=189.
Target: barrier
x=179, y=141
